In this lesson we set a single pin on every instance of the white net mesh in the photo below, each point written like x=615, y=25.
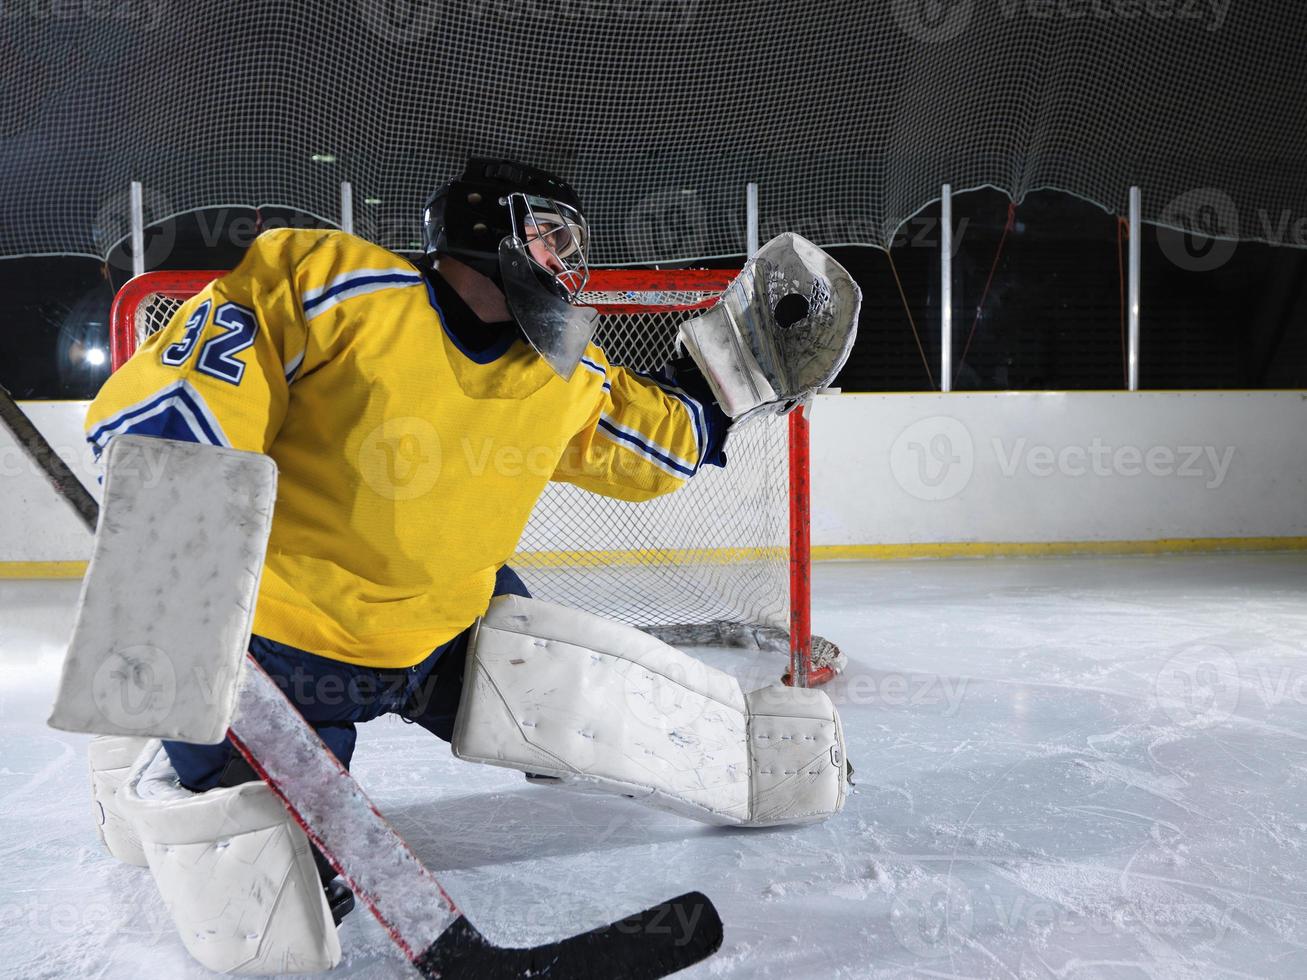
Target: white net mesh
x=715, y=551
x=849, y=114
x=707, y=565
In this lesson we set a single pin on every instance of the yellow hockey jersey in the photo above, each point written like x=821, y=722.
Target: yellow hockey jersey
x=408, y=465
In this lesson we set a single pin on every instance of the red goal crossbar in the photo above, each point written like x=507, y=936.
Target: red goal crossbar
x=669, y=291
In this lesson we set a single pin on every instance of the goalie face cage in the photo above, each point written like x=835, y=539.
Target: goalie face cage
x=724, y=561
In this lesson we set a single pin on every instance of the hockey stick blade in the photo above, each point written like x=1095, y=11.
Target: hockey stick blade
x=654, y=943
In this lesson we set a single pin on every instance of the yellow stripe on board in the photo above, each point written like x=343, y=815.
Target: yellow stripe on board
x=42, y=569
x=856, y=552
x=1050, y=549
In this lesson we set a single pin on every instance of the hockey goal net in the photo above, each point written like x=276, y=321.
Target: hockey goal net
x=721, y=562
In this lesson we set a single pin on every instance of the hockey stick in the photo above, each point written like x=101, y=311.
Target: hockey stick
x=63, y=479
x=383, y=872
x=406, y=898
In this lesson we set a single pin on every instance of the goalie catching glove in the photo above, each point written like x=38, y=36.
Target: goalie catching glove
x=782, y=330
x=603, y=706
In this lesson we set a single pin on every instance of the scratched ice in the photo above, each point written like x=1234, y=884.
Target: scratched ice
x=1069, y=768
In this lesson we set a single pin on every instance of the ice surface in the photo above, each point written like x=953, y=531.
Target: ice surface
x=1066, y=768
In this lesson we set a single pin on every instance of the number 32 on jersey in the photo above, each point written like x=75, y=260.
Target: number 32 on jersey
x=218, y=354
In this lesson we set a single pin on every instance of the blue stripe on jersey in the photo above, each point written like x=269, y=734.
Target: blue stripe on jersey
x=366, y=280
x=177, y=412
x=656, y=455
x=692, y=406
x=294, y=366
x=598, y=369
x=663, y=458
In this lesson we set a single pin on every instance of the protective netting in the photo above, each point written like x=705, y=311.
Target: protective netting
x=707, y=565
x=849, y=114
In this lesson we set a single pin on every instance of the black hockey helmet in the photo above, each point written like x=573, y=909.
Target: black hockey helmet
x=469, y=215
x=522, y=228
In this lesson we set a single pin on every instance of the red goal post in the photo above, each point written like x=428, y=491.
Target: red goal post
x=724, y=561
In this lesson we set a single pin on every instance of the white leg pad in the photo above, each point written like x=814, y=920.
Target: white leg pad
x=111, y=758
x=600, y=705
x=235, y=872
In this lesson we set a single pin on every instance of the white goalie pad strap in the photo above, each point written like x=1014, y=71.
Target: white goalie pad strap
x=168, y=600
x=111, y=758
x=796, y=756
x=235, y=871
x=600, y=705
x=781, y=331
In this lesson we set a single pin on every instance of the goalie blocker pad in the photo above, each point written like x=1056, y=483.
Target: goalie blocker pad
x=558, y=692
x=168, y=600
x=234, y=870
x=782, y=330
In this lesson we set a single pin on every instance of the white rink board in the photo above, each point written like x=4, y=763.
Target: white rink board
x=931, y=468
x=35, y=525
x=1058, y=466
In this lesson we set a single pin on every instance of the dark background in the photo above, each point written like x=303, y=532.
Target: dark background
x=1038, y=287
